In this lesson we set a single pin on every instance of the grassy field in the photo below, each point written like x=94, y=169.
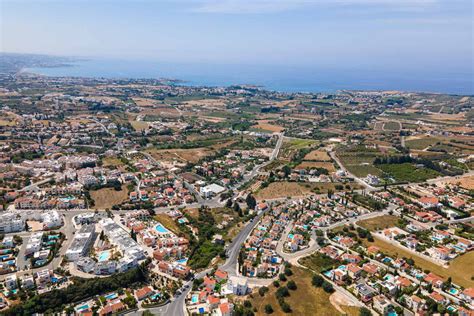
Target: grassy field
x=305, y=300
x=108, y=197
x=407, y=172
x=420, y=143
x=139, y=125
x=364, y=170
x=378, y=223
x=460, y=268
x=318, y=262
x=391, y=126
x=112, y=161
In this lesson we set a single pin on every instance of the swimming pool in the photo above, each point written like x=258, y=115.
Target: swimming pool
x=82, y=307
x=111, y=296
x=291, y=236
x=104, y=255
x=155, y=296
x=194, y=298
x=182, y=261
x=161, y=229
x=453, y=291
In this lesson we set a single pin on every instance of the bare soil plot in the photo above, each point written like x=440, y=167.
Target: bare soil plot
x=144, y=102
x=206, y=103
x=464, y=182
x=139, y=125
x=379, y=223
x=318, y=155
x=316, y=164
x=192, y=155
x=282, y=189
x=268, y=126
x=108, y=197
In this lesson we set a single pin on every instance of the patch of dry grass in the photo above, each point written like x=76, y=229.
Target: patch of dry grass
x=379, y=223
x=305, y=300
x=108, y=197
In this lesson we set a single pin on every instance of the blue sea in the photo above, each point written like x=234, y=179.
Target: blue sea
x=278, y=78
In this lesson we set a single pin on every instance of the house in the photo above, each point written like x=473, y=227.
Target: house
x=238, y=285
x=434, y=280
x=382, y=304
x=370, y=268
x=143, y=293
x=209, y=283
x=353, y=271
x=220, y=275
x=415, y=303
x=468, y=296
x=438, y=298
x=112, y=308
x=428, y=202
x=365, y=292
x=225, y=309
x=373, y=250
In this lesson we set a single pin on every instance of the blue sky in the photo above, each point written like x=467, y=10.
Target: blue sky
x=375, y=34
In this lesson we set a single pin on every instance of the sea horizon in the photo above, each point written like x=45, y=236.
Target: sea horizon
x=289, y=79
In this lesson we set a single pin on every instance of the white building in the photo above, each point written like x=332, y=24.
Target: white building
x=34, y=243
x=238, y=285
x=211, y=190
x=81, y=243
x=10, y=223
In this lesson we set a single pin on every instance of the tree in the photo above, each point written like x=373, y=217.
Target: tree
x=133, y=235
x=268, y=309
x=262, y=290
x=282, y=292
x=327, y=287
x=364, y=311
x=282, y=277
x=292, y=285
x=251, y=202
x=317, y=280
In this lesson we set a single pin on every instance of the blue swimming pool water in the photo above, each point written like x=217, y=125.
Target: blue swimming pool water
x=82, y=307
x=104, y=255
x=161, y=229
x=291, y=236
x=181, y=220
x=182, y=261
x=155, y=296
x=453, y=291
x=111, y=296
x=194, y=298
